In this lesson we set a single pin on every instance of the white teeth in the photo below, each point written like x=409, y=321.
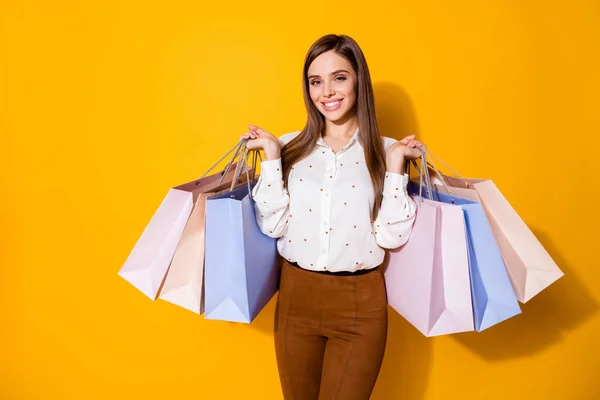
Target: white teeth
x=335, y=103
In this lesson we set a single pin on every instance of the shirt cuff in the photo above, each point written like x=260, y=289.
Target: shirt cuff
x=271, y=170
x=395, y=183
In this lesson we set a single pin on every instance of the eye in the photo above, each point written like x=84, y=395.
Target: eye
x=316, y=81
x=341, y=77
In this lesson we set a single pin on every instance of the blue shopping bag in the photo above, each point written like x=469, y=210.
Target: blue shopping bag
x=241, y=263
x=493, y=296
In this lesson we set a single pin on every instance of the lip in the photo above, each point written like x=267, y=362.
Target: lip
x=331, y=101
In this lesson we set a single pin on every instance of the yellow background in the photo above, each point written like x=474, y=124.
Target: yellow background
x=105, y=105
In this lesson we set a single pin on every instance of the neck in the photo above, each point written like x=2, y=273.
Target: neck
x=345, y=128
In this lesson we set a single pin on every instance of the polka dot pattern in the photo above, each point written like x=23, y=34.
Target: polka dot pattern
x=326, y=189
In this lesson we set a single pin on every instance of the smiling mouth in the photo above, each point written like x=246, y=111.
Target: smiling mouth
x=332, y=105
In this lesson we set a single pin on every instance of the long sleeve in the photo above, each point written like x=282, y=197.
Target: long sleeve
x=396, y=216
x=271, y=199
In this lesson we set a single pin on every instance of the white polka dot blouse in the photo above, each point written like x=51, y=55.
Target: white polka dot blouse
x=323, y=218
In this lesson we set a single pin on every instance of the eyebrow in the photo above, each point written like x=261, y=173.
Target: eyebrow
x=333, y=73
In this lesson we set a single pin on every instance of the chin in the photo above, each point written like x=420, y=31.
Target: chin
x=334, y=116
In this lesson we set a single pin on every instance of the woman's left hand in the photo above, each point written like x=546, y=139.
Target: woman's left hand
x=414, y=145
x=404, y=150
x=407, y=148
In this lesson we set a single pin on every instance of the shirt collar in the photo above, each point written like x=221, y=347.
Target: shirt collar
x=354, y=138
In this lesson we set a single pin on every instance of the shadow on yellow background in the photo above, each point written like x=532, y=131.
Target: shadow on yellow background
x=547, y=318
x=104, y=106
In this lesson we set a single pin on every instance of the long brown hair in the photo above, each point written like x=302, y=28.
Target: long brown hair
x=303, y=144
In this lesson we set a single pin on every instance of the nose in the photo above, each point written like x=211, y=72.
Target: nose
x=328, y=90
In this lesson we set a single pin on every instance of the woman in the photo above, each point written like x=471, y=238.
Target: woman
x=335, y=196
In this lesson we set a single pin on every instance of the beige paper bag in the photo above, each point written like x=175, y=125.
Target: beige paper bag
x=184, y=281
x=530, y=267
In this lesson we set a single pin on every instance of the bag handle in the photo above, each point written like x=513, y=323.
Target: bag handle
x=446, y=165
x=423, y=175
x=237, y=148
x=244, y=163
x=226, y=169
x=437, y=172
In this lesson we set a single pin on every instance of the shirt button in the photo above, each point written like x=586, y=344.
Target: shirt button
x=325, y=223
x=326, y=194
x=324, y=251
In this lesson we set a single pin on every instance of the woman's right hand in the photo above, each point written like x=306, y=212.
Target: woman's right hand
x=262, y=140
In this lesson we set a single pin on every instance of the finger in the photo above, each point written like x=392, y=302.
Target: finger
x=407, y=139
x=411, y=143
x=257, y=130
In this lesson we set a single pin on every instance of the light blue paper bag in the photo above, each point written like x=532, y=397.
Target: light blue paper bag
x=494, y=299
x=241, y=263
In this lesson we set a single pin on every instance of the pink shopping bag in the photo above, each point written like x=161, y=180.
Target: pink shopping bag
x=531, y=269
x=427, y=279
x=147, y=264
x=184, y=283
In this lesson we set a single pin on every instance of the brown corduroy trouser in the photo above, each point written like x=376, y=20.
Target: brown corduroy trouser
x=330, y=334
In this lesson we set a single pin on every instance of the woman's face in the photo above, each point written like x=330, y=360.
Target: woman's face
x=332, y=85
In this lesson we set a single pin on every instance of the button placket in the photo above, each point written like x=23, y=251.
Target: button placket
x=326, y=197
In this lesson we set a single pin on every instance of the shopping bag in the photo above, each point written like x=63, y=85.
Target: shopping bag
x=531, y=269
x=493, y=296
x=427, y=279
x=183, y=284
x=149, y=260
x=241, y=263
